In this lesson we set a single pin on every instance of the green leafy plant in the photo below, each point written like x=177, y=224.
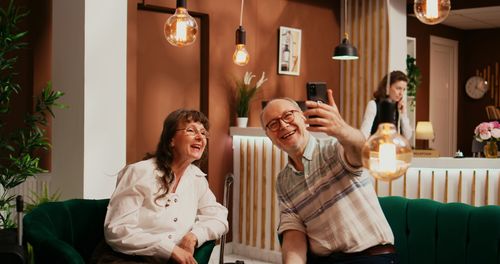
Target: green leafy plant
x=245, y=92
x=44, y=196
x=414, y=76
x=18, y=147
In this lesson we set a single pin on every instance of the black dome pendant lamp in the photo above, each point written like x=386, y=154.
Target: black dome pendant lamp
x=345, y=50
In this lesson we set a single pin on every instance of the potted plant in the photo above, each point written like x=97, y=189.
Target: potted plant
x=244, y=94
x=414, y=80
x=18, y=160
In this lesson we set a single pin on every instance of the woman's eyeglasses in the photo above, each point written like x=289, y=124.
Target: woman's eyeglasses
x=191, y=131
x=287, y=117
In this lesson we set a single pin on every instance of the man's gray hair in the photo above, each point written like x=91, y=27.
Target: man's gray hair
x=293, y=102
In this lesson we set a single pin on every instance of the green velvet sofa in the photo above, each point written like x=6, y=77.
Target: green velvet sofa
x=431, y=232
x=69, y=231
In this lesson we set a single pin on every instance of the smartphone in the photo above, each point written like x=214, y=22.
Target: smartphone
x=316, y=91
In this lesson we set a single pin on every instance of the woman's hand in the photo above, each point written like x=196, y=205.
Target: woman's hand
x=402, y=106
x=182, y=256
x=188, y=242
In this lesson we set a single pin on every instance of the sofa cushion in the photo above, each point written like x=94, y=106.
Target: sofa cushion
x=428, y=231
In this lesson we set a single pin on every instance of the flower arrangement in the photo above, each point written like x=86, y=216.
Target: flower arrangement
x=245, y=92
x=487, y=131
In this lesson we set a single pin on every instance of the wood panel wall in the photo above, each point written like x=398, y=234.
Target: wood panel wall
x=369, y=33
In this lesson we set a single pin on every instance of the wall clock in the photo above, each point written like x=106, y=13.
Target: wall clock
x=476, y=87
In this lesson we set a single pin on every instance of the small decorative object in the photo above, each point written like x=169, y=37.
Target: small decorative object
x=242, y=121
x=244, y=93
x=459, y=154
x=489, y=132
x=289, y=51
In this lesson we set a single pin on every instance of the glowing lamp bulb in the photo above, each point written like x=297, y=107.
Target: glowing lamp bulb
x=180, y=29
x=431, y=12
x=387, y=154
x=240, y=55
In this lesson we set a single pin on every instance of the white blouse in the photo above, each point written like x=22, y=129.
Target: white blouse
x=136, y=225
x=369, y=117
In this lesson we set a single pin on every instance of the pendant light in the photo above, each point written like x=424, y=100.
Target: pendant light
x=240, y=55
x=180, y=29
x=345, y=51
x=387, y=154
x=431, y=12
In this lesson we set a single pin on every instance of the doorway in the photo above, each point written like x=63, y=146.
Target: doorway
x=443, y=91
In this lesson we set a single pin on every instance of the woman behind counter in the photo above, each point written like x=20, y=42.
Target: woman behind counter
x=162, y=208
x=397, y=88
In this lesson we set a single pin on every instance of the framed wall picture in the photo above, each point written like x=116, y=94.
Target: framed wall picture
x=289, y=51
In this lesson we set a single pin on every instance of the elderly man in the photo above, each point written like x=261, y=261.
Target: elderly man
x=329, y=212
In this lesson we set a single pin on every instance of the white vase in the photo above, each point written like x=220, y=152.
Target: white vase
x=241, y=121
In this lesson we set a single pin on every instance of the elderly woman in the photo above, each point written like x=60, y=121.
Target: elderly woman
x=162, y=207
x=398, y=82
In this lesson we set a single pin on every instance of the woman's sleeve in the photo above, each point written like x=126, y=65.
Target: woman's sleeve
x=122, y=229
x=211, y=221
x=406, y=127
x=370, y=112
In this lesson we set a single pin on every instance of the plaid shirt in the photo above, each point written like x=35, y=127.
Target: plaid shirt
x=331, y=201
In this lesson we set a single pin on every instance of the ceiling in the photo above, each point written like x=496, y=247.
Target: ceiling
x=474, y=18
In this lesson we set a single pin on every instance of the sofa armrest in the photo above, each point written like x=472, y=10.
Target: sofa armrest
x=202, y=254
x=53, y=250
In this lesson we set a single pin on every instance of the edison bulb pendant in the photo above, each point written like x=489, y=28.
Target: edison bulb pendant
x=431, y=12
x=387, y=154
x=180, y=29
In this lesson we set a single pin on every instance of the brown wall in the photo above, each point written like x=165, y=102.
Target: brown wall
x=477, y=49
x=319, y=22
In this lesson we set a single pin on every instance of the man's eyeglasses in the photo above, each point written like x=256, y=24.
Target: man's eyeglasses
x=287, y=117
x=191, y=131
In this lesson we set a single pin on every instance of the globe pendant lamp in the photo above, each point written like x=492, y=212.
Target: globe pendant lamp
x=240, y=55
x=180, y=29
x=387, y=154
x=431, y=12
x=345, y=51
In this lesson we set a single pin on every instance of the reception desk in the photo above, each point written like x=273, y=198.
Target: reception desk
x=256, y=163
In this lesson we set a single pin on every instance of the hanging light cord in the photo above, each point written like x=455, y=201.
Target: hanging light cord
x=345, y=20
x=241, y=13
x=388, y=57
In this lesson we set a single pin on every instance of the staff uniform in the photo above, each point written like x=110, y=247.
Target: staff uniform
x=370, y=124
x=137, y=225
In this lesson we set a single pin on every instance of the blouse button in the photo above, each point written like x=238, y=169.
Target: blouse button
x=175, y=200
x=175, y=219
x=169, y=236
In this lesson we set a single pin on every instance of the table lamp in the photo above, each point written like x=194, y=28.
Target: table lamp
x=425, y=132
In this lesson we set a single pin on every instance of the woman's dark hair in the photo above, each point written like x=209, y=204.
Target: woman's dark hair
x=164, y=153
x=381, y=91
